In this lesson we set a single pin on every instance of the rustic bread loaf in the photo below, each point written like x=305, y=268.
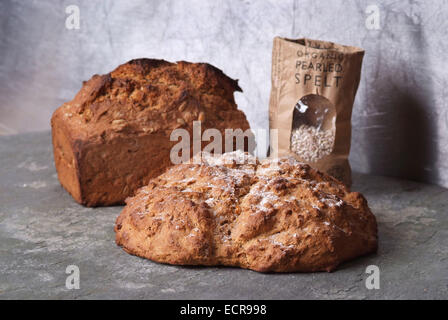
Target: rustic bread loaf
x=115, y=134
x=280, y=216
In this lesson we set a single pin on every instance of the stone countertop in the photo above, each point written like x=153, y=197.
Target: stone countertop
x=42, y=231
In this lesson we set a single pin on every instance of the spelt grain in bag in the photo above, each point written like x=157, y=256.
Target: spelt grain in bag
x=314, y=85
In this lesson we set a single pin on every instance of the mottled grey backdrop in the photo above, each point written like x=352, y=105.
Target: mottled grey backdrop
x=400, y=119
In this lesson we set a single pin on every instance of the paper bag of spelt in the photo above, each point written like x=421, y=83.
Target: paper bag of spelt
x=314, y=85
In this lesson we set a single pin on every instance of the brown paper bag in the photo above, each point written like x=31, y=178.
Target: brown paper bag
x=314, y=85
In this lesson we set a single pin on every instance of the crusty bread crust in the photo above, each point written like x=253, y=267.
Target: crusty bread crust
x=115, y=134
x=271, y=216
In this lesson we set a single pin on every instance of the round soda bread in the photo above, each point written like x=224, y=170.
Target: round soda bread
x=269, y=216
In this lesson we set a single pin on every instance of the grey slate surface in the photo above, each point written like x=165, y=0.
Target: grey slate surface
x=42, y=231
